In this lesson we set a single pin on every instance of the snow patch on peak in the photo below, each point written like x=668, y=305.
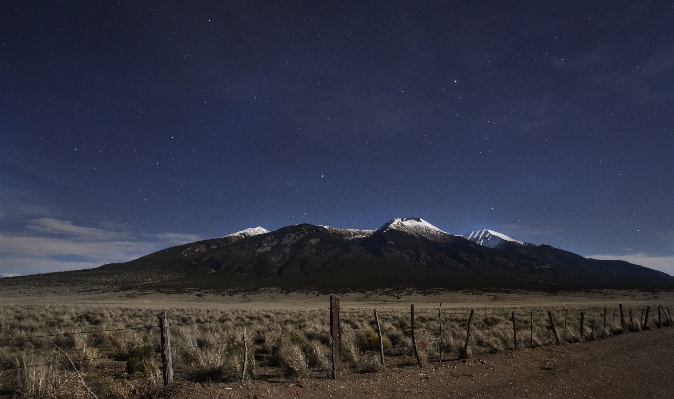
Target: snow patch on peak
x=350, y=234
x=253, y=231
x=491, y=239
x=416, y=226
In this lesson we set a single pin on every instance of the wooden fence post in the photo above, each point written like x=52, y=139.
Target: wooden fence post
x=514, y=331
x=659, y=317
x=464, y=355
x=664, y=312
x=167, y=364
x=622, y=316
x=582, y=328
x=440, y=321
x=381, y=340
x=648, y=309
x=631, y=321
x=641, y=319
x=335, y=332
x=671, y=323
x=245, y=356
x=531, y=339
x=554, y=330
x=414, y=338
x=605, y=319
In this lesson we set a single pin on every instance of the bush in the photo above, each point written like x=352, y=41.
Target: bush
x=292, y=359
x=369, y=364
x=141, y=360
x=396, y=337
x=493, y=320
x=318, y=356
x=370, y=340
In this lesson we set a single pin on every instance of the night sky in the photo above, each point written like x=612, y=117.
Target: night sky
x=130, y=127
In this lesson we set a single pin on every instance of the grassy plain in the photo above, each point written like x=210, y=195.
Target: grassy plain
x=113, y=339
x=276, y=299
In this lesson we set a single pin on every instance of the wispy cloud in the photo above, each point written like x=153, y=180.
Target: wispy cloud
x=57, y=227
x=50, y=245
x=661, y=263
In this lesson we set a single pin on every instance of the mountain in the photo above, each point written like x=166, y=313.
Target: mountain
x=402, y=253
x=492, y=239
x=563, y=262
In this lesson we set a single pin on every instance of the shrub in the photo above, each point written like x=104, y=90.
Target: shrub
x=493, y=320
x=396, y=337
x=141, y=360
x=370, y=340
x=318, y=356
x=292, y=359
x=123, y=343
x=369, y=364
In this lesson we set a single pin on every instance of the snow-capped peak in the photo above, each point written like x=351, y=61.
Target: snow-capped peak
x=416, y=226
x=491, y=238
x=253, y=231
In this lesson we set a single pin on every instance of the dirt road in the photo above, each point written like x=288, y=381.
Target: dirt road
x=634, y=365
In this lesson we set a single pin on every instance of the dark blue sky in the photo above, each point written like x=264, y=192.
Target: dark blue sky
x=129, y=127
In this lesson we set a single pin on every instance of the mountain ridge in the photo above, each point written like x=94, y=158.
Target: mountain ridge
x=402, y=253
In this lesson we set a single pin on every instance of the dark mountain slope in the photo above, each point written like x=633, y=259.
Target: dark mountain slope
x=408, y=253
x=561, y=261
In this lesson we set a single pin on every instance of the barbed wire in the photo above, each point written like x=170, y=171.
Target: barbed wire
x=444, y=313
x=29, y=337
x=108, y=355
x=51, y=363
x=384, y=314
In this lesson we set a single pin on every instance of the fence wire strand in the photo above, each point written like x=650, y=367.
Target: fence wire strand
x=594, y=317
x=30, y=337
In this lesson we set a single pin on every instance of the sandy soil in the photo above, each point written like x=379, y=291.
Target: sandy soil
x=633, y=365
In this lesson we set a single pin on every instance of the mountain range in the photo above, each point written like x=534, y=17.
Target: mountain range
x=402, y=253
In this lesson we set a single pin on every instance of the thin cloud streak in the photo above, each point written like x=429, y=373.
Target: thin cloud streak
x=60, y=227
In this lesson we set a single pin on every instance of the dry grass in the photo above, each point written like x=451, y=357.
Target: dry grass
x=116, y=348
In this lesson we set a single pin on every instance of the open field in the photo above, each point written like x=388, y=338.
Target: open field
x=275, y=299
x=113, y=338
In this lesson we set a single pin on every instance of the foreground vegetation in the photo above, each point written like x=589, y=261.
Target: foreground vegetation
x=116, y=350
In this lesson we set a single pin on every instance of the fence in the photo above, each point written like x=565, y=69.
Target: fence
x=203, y=345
